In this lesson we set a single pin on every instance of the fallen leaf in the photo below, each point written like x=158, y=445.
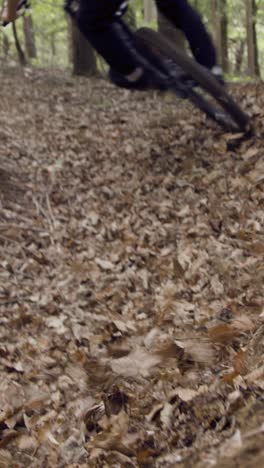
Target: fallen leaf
x=104, y=264
x=222, y=334
x=138, y=363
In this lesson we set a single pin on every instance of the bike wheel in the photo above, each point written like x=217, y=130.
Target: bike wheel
x=229, y=115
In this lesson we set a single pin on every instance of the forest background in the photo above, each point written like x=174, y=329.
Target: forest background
x=46, y=37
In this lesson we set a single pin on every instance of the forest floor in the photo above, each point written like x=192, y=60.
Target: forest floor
x=131, y=279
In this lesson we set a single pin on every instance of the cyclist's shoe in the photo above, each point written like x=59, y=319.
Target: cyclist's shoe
x=217, y=72
x=178, y=74
x=140, y=79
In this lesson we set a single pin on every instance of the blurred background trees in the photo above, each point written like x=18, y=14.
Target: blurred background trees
x=46, y=37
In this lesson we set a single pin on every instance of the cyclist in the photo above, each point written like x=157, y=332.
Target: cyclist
x=101, y=23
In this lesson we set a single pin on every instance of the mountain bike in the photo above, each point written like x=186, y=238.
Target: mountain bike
x=183, y=76
x=187, y=79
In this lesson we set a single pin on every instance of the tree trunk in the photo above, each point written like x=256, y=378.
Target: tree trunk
x=252, y=45
x=29, y=36
x=150, y=11
x=239, y=55
x=220, y=22
x=83, y=55
x=6, y=46
x=53, y=44
x=20, y=52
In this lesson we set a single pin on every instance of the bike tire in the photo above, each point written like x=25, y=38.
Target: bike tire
x=233, y=119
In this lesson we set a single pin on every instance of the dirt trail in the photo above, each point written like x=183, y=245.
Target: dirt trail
x=131, y=279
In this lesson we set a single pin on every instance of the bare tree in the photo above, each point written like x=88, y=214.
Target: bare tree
x=252, y=44
x=20, y=52
x=150, y=11
x=220, y=23
x=29, y=35
x=83, y=55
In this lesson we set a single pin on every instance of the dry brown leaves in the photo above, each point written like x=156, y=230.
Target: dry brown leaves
x=131, y=278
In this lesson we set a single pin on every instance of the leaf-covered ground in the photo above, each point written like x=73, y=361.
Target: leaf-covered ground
x=131, y=279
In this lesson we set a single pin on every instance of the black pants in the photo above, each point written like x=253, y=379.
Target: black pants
x=102, y=25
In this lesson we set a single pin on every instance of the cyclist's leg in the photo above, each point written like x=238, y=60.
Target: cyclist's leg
x=98, y=21
x=101, y=23
x=186, y=18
